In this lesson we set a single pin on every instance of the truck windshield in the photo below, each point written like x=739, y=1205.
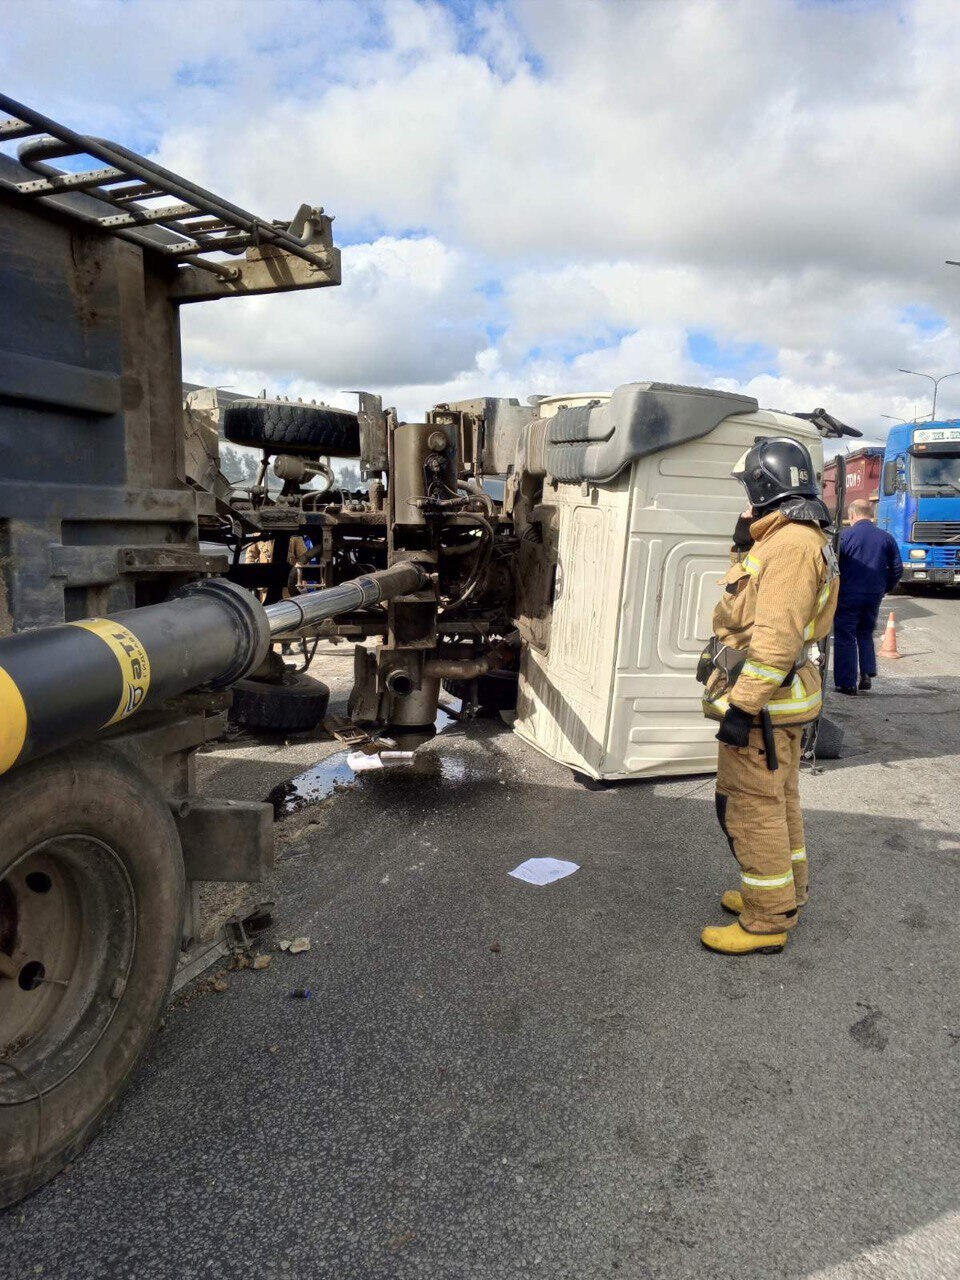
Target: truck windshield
x=935, y=473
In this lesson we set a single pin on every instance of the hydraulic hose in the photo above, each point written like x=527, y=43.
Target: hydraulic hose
x=61, y=684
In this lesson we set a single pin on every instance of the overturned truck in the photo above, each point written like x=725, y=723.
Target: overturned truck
x=591, y=575
x=558, y=558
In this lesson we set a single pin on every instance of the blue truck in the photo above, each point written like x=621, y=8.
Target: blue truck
x=919, y=499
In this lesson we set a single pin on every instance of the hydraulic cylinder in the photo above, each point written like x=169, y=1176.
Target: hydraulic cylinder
x=61, y=684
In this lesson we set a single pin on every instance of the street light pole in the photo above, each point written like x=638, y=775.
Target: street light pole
x=936, y=383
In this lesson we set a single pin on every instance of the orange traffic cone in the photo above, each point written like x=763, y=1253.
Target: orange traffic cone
x=889, y=647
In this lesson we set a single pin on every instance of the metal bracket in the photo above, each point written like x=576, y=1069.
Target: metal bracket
x=372, y=421
x=228, y=840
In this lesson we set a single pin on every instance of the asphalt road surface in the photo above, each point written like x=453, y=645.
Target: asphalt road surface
x=494, y=1080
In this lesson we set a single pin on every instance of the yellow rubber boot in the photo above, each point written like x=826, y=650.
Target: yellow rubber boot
x=734, y=940
x=732, y=901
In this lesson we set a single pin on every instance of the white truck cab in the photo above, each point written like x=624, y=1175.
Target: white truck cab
x=638, y=489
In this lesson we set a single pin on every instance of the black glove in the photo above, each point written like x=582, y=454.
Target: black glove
x=735, y=727
x=741, y=534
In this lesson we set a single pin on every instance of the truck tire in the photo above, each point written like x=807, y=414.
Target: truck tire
x=829, y=739
x=282, y=427
x=91, y=896
x=294, y=702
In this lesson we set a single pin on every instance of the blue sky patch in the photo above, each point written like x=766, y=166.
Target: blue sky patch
x=348, y=232
x=472, y=36
x=210, y=74
x=742, y=360
x=923, y=318
x=570, y=346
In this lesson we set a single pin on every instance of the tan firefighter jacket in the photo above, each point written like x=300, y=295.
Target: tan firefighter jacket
x=262, y=553
x=778, y=600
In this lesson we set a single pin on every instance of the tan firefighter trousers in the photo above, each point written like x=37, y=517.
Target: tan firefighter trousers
x=760, y=814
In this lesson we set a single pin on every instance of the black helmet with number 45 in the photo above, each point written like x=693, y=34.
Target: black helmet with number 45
x=775, y=468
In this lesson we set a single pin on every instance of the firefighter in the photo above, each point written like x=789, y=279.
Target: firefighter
x=763, y=684
x=261, y=552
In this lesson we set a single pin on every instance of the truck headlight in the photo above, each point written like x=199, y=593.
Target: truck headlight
x=918, y=554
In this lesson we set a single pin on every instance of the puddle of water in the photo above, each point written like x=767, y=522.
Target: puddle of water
x=312, y=786
x=335, y=774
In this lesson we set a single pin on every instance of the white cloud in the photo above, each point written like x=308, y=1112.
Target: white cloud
x=409, y=307
x=779, y=174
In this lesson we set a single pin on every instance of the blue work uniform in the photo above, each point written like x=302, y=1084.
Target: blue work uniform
x=870, y=566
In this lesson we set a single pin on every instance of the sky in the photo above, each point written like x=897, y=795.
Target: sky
x=549, y=196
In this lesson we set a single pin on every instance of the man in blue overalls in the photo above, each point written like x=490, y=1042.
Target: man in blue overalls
x=870, y=566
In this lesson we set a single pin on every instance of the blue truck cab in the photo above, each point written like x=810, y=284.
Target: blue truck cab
x=919, y=500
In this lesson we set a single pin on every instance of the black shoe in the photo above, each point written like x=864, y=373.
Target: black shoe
x=851, y=693
x=866, y=683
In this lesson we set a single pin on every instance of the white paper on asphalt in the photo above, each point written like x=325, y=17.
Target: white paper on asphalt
x=544, y=870
x=359, y=761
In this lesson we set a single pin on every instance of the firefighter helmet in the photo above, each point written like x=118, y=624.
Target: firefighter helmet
x=776, y=467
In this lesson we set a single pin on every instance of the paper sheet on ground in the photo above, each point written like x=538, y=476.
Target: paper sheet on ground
x=544, y=870
x=359, y=760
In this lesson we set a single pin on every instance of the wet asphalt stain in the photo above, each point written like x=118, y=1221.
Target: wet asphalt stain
x=334, y=774
x=313, y=786
x=690, y=1170
x=916, y=918
x=867, y=1031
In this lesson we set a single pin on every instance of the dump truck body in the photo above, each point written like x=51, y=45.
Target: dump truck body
x=102, y=843
x=862, y=470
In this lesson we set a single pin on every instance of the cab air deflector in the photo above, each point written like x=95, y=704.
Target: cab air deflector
x=596, y=442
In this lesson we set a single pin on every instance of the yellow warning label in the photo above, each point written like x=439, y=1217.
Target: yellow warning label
x=13, y=722
x=133, y=660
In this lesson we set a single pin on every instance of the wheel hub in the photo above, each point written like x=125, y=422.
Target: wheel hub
x=67, y=935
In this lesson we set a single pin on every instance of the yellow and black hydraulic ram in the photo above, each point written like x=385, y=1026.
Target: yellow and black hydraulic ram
x=61, y=684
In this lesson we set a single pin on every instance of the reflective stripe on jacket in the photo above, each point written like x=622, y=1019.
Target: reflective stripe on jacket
x=777, y=598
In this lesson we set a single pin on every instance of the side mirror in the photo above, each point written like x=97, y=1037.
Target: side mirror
x=889, y=478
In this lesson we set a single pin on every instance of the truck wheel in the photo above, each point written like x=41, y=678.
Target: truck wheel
x=829, y=739
x=283, y=427
x=294, y=702
x=91, y=906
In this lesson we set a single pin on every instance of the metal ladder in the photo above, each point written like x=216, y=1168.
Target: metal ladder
x=196, y=225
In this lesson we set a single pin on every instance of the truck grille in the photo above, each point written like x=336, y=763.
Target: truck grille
x=933, y=532
x=939, y=558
